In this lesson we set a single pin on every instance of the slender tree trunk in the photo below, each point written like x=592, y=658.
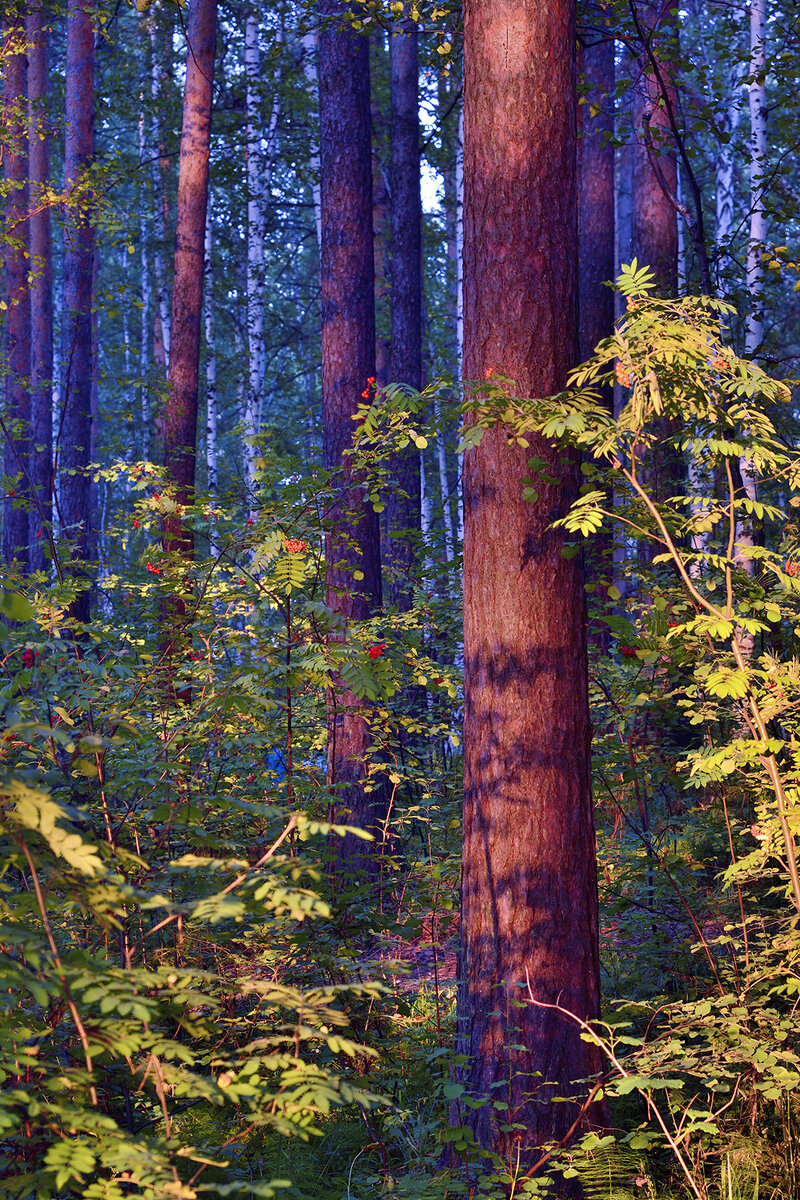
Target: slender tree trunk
x=74, y=443
x=380, y=73
x=160, y=199
x=403, y=501
x=255, y=251
x=754, y=331
x=310, y=72
x=180, y=416
x=529, y=892
x=460, y=305
x=655, y=220
x=18, y=321
x=145, y=341
x=725, y=189
x=596, y=198
x=348, y=361
x=211, y=360
x=41, y=457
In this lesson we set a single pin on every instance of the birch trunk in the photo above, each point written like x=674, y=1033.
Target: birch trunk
x=754, y=329
x=254, y=283
x=310, y=72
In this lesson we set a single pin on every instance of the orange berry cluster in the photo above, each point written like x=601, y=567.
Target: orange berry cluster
x=295, y=545
x=370, y=383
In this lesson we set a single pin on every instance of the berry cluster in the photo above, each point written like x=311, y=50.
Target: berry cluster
x=377, y=650
x=295, y=545
x=370, y=384
x=792, y=568
x=28, y=657
x=627, y=652
x=623, y=375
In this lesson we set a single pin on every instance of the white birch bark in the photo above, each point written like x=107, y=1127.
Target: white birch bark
x=754, y=329
x=310, y=72
x=725, y=177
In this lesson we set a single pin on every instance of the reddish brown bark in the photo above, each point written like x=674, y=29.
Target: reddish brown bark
x=18, y=319
x=529, y=895
x=348, y=361
x=655, y=220
x=73, y=446
x=403, y=501
x=179, y=420
x=41, y=265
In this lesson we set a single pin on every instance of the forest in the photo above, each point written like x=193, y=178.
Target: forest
x=400, y=638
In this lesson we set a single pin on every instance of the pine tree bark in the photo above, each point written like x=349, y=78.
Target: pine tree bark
x=403, y=501
x=348, y=361
x=529, y=893
x=180, y=414
x=41, y=265
x=655, y=220
x=18, y=318
x=74, y=442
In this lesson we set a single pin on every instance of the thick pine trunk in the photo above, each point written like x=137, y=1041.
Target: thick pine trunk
x=18, y=318
x=529, y=893
x=74, y=445
x=403, y=501
x=180, y=414
x=41, y=268
x=348, y=361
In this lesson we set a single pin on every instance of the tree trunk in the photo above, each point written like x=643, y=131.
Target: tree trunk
x=255, y=252
x=725, y=189
x=403, y=501
x=160, y=166
x=74, y=444
x=754, y=331
x=211, y=360
x=655, y=220
x=596, y=198
x=180, y=416
x=348, y=361
x=310, y=72
x=41, y=456
x=529, y=893
x=18, y=320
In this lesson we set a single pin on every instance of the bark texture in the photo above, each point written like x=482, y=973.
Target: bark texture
x=655, y=220
x=18, y=320
x=596, y=197
x=754, y=331
x=529, y=894
x=403, y=504
x=348, y=361
x=41, y=268
x=180, y=415
x=74, y=441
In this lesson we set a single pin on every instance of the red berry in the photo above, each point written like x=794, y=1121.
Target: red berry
x=627, y=652
x=295, y=545
x=792, y=568
x=377, y=650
